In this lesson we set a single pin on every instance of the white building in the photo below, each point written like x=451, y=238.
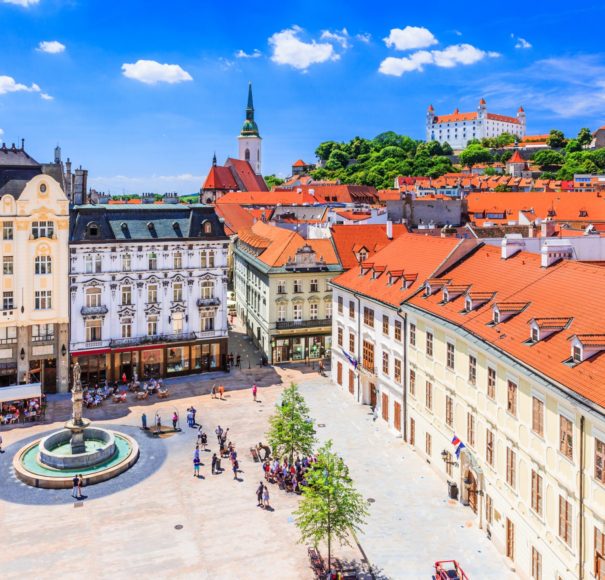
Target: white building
x=148, y=290
x=458, y=128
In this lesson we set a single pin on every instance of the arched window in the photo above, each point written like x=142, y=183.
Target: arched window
x=92, y=230
x=93, y=297
x=43, y=265
x=207, y=228
x=247, y=155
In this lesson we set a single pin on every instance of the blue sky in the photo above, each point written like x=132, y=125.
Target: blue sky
x=91, y=75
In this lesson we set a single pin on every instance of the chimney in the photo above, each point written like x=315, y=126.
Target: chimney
x=511, y=245
x=390, y=229
x=548, y=228
x=555, y=250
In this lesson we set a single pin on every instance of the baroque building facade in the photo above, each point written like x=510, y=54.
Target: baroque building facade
x=34, y=334
x=148, y=291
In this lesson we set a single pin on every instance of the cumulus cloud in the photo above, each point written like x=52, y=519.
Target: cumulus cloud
x=24, y=3
x=290, y=50
x=449, y=57
x=1, y=132
x=51, y=47
x=410, y=37
x=364, y=37
x=46, y=96
x=10, y=85
x=522, y=43
x=152, y=72
x=243, y=54
x=339, y=36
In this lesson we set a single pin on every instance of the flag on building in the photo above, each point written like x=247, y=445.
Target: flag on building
x=455, y=440
x=350, y=358
x=459, y=449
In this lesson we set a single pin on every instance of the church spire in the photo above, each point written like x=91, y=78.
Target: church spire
x=250, y=129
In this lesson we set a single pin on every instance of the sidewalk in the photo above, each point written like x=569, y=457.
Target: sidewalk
x=412, y=524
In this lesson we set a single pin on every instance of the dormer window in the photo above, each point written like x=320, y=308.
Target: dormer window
x=366, y=267
x=496, y=317
x=577, y=354
x=207, y=227
x=542, y=328
x=502, y=311
x=468, y=304
x=535, y=334
x=92, y=230
x=585, y=346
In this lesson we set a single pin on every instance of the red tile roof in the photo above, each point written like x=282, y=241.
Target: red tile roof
x=454, y=117
x=235, y=216
x=516, y=158
x=266, y=198
x=220, y=178
x=419, y=257
x=566, y=290
x=244, y=174
x=503, y=118
x=341, y=193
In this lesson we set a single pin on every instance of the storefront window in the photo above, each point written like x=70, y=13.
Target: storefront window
x=315, y=346
x=152, y=361
x=178, y=359
x=215, y=355
x=298, y=348
x=196, y=357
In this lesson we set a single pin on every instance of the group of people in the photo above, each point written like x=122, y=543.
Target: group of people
x=77, y=483
x=15, y=411
x=288, y=476
x=218, y=390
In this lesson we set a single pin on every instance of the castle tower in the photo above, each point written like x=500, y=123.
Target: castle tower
x=522, y=120
x=430, y=116
x=249, y=139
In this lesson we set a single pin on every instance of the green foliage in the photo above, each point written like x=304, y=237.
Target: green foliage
x=330, y=507
x=499, y=141
x=324, y=149
x=503, y=188
x=272, y=180
x=584, y=137
x=291, y=431
x=548, y=159
x=490, y=171
x=573, y=146
x=474, y=154
x=446, y=149
x=556, y=139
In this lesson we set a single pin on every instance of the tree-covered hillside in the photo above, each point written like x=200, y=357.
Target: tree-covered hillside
x=378, y=161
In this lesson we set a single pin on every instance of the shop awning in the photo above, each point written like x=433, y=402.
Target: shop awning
x=91, y=352
x=18, y=392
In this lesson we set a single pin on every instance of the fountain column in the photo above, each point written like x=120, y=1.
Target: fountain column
x=77, y=423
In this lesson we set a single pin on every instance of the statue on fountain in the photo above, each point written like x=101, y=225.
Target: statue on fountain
x=77, y=423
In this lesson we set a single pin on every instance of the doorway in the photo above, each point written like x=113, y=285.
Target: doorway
x=472, y=490
x=49, y=374
x=397, y=416
x=373, y=395
x=385, y=407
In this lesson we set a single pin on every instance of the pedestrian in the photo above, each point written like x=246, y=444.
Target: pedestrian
x=214, y=462
x=193, y=412
x=158, y=423
x=1, y=450
x=175, y=420
x=259, y=495
x=74, y=491
x=204, y=440
x=254, y=390
x=266, y=497
x=214, y=391
x=219, y=433
x=231, y=359
x=196, y=463
x=321, y=368
x=144, y=421
x=224, y=436
x=221, y=391
x=238, y=362
x=235, y=469
x=124, y=378
x=80, y=483
x=199, y=435
x=189, y=418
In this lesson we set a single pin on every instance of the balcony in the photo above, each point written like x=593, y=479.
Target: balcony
x=289, y=324
x=93, y=310
x=76, y=346
x=208, y=302
x=367, y=369
x=153, y=339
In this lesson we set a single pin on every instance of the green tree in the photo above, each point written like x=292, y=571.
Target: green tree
x=324, y=149
x=338, y=158
x=474, y=154
x=548, y=159
x=573, y=146
x=291, y=431
x=490, y=171
x=272, y=180
x=331, y=507
x=503, y=188
x=446, y=149
x=556, y=139
x=584, y=137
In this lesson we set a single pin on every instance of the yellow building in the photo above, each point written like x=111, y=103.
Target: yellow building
x=34, y=331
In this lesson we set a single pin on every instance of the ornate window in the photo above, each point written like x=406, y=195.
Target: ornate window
x=126, y=327
x=153, y=261
x=126, y=263
x=177, y=323
x=152, y=325
x=177, y=292
x=178, y=261
x=152, y=293
x=93, y=297
x=42, y=265
x=44, y=229
x=207, y=289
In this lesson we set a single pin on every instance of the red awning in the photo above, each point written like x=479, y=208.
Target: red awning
x=133, y=348
x=91, y=352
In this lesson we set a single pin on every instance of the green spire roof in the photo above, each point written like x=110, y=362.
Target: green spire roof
x=250, y=128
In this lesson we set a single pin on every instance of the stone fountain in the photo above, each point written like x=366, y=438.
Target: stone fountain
x=97, y=453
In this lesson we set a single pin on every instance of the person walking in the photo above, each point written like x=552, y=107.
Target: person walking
x=196, y=463
x=238, y=362
x=214, y=391
x=266, y=497
x=221, y=391
x=189, y=418
x=214, y=463
x=254, y=391
x=259, y=495
x=235, y=469
x=144, y=421
x=80, y=483
x=193, y=412
x=219, y=433
x=175, y=420
x=158, y=423
x=74, y=490
x=1, y=450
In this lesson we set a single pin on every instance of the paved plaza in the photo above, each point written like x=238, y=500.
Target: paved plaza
x=158, y=520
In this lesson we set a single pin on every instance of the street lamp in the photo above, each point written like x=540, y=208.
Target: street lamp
x=445, y=457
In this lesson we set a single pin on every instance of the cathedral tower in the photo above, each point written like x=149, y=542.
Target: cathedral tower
x=249, y=139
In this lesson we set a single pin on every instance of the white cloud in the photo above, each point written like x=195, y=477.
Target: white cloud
x=46, y=97
x=10, y=85
x=152, y=72
x=460, y=54
x=397, y=66
x=522, y=43
x=457, y=33
x=1, y=132
x=254, y=54
x=339, y=36
x=410, y=37
x=364, y=37
x=449, y=57
x=51, y=47
x=24, y=3
x=181, y=183
x=289, y=49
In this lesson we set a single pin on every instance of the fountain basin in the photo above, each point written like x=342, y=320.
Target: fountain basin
x=29, y=469
x=55, y=450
